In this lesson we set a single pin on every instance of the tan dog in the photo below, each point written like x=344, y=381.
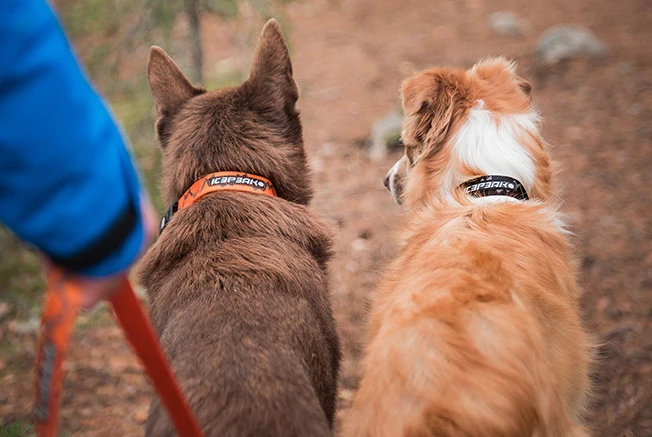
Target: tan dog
x=475, y=330
x=238, y=281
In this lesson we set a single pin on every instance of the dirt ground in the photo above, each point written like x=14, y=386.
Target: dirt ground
x=349, y=58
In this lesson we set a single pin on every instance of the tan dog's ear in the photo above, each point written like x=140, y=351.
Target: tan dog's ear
x=417, y=94
x=424, y=95
x=271, y=70
x=170, y=88
x=499, y=77
x=495, y=68
x=525, y=86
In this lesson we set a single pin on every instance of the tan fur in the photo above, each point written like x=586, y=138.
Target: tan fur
x=475, y=330
x=238, y=282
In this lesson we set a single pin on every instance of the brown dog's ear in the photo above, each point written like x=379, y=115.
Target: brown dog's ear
x=417, y=94
x=170, y=88
x=271, y=69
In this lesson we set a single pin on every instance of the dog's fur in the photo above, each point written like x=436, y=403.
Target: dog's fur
x=237, y=282
x=475, y=330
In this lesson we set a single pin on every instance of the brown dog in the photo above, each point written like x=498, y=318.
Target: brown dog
x=475, y=330
x=238, y=281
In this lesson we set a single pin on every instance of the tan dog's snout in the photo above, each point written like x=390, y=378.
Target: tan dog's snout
x=394, y=180
x=390, y=182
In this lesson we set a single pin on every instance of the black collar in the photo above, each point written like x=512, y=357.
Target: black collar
x=493, y=185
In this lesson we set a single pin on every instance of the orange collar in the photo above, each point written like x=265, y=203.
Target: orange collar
x=219, y=181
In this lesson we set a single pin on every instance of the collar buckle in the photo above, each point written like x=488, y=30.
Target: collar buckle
x=168, y=215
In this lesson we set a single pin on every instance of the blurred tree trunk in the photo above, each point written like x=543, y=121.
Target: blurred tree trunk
x=196, y=56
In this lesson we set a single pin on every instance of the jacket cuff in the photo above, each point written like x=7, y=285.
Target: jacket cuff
x=113, y=251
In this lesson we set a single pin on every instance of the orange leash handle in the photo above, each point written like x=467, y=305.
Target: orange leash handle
x=62, y=303
x=140, y=334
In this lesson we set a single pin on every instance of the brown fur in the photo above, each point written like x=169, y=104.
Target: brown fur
x=238, y=282
x=475, y=330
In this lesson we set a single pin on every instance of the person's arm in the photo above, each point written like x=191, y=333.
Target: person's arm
x=67, y=182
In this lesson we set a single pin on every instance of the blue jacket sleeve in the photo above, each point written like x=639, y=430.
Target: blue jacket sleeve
x=67, y=182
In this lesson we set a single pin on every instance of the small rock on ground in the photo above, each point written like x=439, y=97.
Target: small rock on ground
x=567, y=42
x=505, y=24
x=385, y=135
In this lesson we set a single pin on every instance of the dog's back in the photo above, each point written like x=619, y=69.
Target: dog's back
x=239, y=294
x=238, y=282
x=475, y=332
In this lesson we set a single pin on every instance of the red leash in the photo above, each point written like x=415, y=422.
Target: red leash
x=62, y=304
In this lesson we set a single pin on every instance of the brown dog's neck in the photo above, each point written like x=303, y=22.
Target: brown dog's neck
x=219, y=181
x=232, y=241
x=227, y=226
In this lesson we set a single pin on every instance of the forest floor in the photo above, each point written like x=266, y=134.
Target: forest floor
x=349, y=58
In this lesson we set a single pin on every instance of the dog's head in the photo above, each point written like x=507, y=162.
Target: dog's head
x=252, y=128
x=463, y=124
